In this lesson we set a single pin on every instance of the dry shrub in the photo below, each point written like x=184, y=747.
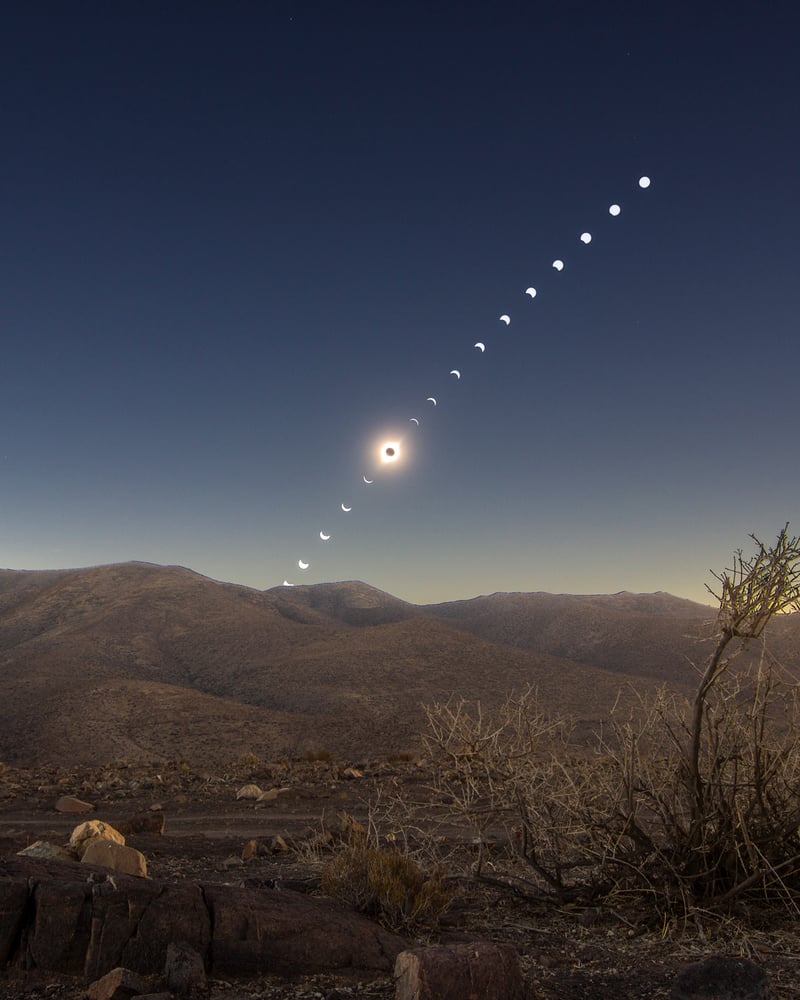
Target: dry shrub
x=384, y=884
x=682, y=806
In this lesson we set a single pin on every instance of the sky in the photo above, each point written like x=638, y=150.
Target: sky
x=242, y=243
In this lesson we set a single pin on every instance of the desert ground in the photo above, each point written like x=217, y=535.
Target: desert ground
x=206, y=829
x=153, y=692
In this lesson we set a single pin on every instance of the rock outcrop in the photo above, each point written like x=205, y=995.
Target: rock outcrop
x=52, y=918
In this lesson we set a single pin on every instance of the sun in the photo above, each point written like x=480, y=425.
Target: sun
x=390, y=452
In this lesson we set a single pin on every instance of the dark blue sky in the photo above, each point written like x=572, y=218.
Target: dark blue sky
x=243, y=242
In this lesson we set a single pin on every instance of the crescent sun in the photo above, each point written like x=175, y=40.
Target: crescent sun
x=287, y=584
x=505, y=318
x=531, y=291
x=413, y=420
x=346, y=509
x=303, y=565
x=481, y=347
x=369, y=482
x=323, y=536
x=456, y=372
x=430, y=399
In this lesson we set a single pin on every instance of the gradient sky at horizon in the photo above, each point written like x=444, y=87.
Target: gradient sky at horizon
x=239, y=243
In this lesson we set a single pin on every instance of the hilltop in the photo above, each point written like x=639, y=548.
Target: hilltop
x=144, y=662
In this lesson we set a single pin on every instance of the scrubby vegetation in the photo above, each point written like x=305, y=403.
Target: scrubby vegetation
x=681, y=809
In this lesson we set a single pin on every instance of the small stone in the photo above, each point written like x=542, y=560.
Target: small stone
x=279, y=845
x=69, y=804
x=93, y=829
x=249, y=793
x=184, y=970
x=44, y=849
x=271, y=794
x=119, y=984
x=119, y=858
x=250, y=850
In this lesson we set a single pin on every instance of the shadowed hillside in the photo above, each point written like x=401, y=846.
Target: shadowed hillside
x=138, y=661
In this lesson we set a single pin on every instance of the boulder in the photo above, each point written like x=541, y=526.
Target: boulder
x=69, y=804
x=258, y=931
x=44, y=849
x=119, y=984
x=116, y=856
x=720, y=978
x=93, y=829
x=455, y=972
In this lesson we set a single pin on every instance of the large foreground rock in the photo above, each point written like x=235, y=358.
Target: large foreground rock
x=52, y=918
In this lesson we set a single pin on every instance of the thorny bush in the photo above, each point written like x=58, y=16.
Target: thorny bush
x=679, y=808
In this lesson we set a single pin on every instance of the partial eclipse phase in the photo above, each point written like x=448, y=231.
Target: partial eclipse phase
x=389, y=452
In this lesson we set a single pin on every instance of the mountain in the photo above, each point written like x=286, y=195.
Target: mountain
x=146, y=662
x=644, y=635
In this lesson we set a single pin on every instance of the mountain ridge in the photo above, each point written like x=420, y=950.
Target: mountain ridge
x=343, y=667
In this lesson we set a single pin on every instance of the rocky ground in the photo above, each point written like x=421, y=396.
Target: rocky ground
x=286, y=839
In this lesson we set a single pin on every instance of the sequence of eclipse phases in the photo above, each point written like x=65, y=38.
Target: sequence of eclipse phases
x=390, y=452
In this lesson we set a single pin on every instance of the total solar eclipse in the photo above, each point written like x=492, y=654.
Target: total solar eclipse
x=389, y=452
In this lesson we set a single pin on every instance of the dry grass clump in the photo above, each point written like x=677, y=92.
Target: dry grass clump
x=384, y=884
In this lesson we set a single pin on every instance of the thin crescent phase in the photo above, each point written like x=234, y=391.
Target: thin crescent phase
x=481, y=347
x=456, y=372
x=323, y=536
x=346, y=509
x=413, y=420
x=531, y=292
x=505, y=318
x=303, y=565
x=430, y=399
x=369, y=482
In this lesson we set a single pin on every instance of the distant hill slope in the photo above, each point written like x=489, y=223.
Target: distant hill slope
x=139, y=661
x=646, y=635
